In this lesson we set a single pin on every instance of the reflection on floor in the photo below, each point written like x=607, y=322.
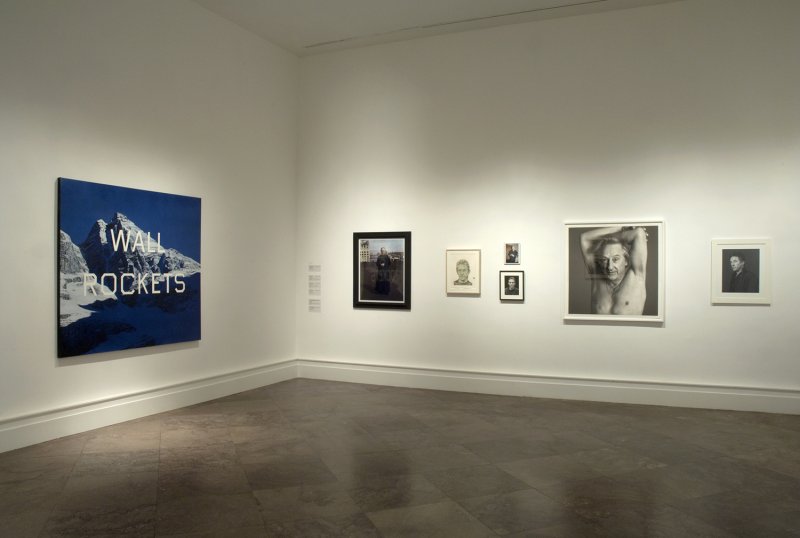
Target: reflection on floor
x=317, y=458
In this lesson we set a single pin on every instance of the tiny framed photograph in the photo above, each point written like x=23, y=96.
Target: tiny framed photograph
x=512, y=253
x=740, y=271
x=463, y=272
x=615, y=271
x=382, y=270
x=512, y=285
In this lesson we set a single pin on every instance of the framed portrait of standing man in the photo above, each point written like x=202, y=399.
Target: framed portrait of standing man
x=382, y=270
x=615, y=271
x=740, y=271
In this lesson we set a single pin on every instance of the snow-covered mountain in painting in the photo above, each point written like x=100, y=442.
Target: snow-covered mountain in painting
x=120, y=288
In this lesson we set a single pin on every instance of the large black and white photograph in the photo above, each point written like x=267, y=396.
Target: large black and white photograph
x=512, y=285
x=739, y=271
x=463, y=272
x=615, y=271
x=382, y=270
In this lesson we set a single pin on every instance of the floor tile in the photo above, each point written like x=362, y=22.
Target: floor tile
x=354, y=526
x=323, y=501
x=572, y=529
x=518, y=511
x=510, y=449
x=117, y=462
x=416, y=438
x=356, y=469
x=191, y=437
x=25, y=524
x=656, y=522
x=431, y=458
x=613, y=461
x=200, y=420
x=675, y=481
x=258, y=451
x=548, y=470
x=102, y=520
x=281, y=472
x=463, y=482
x=593, y=498
x=785, y=524
x=207, y=513
x=21, y=467
x=197, y=458
x=384, y=492
x=780, y=460
x=271, y=434
x=118, y=489
x=739, y=512
x=389, y=422
x=33, y=495
x=221, y=480
x=120, y=439
x=257, y=531
x=444, y=519
x=653, y=445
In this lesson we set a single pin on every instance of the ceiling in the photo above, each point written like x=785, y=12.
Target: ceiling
x=306, y=27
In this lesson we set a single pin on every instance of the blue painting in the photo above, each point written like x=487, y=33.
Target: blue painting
x=128, y=268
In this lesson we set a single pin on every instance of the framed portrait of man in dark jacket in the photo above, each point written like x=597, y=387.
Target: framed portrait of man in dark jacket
x=740, y=271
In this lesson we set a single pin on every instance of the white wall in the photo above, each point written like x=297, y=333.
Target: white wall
x=154, y=95
x=687, y=111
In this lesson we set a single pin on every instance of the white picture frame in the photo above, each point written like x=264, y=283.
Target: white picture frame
x=741, y=271
x=612, y=294
x=463, y=271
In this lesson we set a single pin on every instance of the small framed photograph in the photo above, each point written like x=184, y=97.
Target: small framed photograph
x=512, y=253
x=615, y=271
x=740, y=271
x=463, y=272
x=512, y=285
x=382, y=270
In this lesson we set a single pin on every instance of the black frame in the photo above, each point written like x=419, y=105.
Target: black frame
x=520, y=275
x=368, y=296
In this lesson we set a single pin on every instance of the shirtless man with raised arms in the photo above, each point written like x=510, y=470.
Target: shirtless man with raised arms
x=617, y=257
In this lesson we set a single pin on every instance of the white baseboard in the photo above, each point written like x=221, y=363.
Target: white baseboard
x=600, y=390
x=27, y=430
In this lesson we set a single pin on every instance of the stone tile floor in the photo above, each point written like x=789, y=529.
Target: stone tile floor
x=316, y=458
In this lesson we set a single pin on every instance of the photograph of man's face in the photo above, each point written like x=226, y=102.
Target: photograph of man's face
x=612, y=261
x=511, y=283
x=740, y=270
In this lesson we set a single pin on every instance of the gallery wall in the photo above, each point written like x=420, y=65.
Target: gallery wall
x=162, y=96
x=686, y=111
